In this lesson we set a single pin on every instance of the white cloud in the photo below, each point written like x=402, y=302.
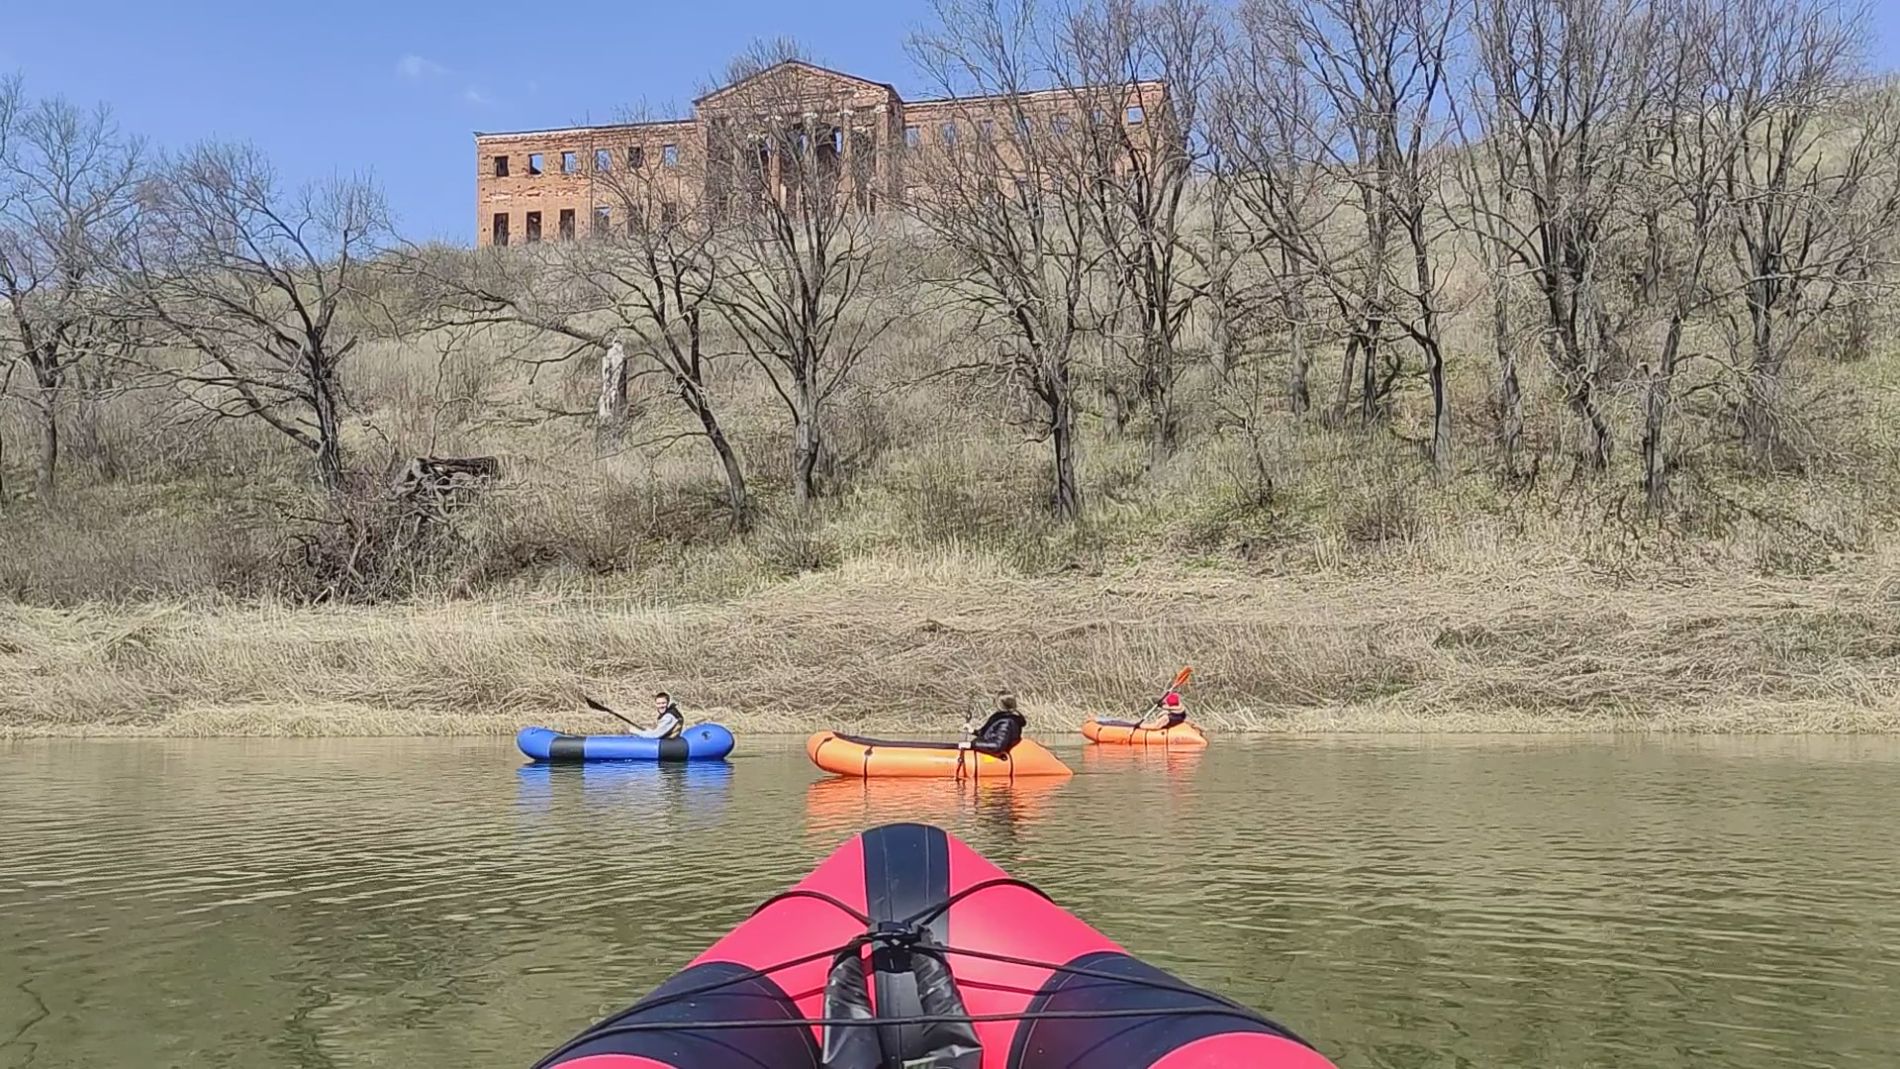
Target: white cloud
x=475, y=96
x=417, y=68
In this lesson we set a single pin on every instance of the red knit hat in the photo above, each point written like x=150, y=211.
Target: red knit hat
x=1171, y=700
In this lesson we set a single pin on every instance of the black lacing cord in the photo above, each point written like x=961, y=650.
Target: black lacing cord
x=799, y=892
x=931, y=913
x=1222, y=1006
x=746, y=977
x=1102, y=974
x=713, y=987
x=919, y=1019
x=928, y=914
x=922, y=916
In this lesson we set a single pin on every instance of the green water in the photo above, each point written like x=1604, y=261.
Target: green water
x=1403, y=903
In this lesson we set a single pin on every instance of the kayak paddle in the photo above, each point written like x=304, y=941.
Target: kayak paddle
x=599, y=708
x=1180, y=680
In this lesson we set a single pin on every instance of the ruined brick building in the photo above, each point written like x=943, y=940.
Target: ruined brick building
x=562, y=184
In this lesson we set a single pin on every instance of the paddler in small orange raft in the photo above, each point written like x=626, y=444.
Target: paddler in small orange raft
x=1172, y=731
x=994, y=751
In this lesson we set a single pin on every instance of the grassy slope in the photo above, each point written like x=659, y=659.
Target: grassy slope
x=1357, y=596
x=911, y=644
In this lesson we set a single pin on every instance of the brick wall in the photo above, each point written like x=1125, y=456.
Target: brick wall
x=654, y=168
x=581, y=169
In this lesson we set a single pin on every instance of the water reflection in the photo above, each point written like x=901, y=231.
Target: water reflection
x=695, y=789
x=837, y=807
x=1418, y=903
x=1121, y=758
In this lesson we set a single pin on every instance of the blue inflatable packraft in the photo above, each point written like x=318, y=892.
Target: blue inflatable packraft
x=701, y=742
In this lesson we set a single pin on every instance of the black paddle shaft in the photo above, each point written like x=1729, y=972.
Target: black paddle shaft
x=598, y=707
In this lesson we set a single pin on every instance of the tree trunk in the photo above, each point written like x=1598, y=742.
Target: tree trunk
x=1655, y=417
x=1068, y=495
x=610, y=417
x=1299, y=398
x=1368, y=373
x=1510, y=393
x=1220, y=320
x=1441, y=401
x=1157, y=382
x=329, y=459
x=1597, y=443
x=1761, y=433
x=807, y=442
x=1580, y=379
x=1117, y=407
x=1056, y=393
x=736, y=499
x=1655, y=472
x=1353, y=345
x=1858, y=344
x=46, y=473
x=1434, y=353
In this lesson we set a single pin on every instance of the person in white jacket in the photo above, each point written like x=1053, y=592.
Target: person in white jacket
x=670, y=721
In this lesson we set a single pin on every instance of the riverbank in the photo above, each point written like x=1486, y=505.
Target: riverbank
x=913, y=645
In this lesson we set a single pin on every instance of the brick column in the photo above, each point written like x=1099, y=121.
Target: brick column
x=881, y=151
x=847, y=154
x=775, y=183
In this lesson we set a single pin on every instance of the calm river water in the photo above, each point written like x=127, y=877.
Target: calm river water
x=1723, y=904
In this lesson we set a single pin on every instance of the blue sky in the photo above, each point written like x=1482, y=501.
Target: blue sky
x=398, y=87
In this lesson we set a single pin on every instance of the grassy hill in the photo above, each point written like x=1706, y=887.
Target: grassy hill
x=1313, y=570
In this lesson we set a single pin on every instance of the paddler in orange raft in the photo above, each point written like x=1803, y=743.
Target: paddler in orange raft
x=994, y=751
x=1172, y=732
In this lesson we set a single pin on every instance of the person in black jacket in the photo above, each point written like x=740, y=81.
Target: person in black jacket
x=1002, y=731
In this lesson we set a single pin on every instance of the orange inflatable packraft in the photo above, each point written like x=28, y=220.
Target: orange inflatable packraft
x=1184, y=736
x=850, y=755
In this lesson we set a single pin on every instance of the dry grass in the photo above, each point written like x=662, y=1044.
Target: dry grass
x=915, y=642
x=172, y=589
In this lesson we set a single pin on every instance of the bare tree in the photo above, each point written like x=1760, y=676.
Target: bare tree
x=1270, y=136
x=1487, y=176
x=791, y=178
x=1677, y=197
x=250, y=280
x=1378, y=73
x=68, y=184
x=1564, y=102
x=1807, y=182
x=642, y=281
x=10, y=344
x=1009, y=186
x=1146, y=70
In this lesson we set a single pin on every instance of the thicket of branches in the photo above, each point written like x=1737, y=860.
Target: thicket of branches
x=1633, y=193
